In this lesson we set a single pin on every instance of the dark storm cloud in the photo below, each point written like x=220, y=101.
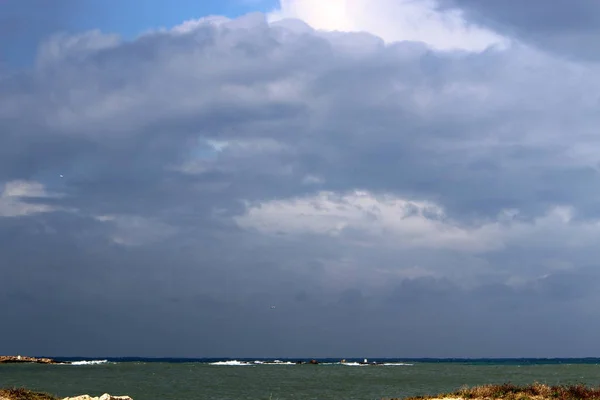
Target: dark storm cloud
x=564, y=26
x=226, y=102
x=211, y=173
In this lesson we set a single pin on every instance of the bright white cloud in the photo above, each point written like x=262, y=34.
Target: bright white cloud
x=381, y=219
x=13, y=199
x=400, y=223
x=392, y=20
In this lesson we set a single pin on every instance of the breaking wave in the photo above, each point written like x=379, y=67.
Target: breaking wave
x=257, y=362
x=279, y=362
x=389, y=364
x=90, y=362
x=232, y=362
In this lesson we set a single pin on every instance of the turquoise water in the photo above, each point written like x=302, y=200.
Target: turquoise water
x=196, y=380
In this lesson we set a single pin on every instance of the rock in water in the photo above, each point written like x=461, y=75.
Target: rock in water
x=25, y=359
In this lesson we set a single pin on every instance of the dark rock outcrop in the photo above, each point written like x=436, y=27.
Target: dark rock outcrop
x=25, y=359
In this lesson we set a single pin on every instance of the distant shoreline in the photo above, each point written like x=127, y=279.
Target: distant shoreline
x=302, y=360
x=77, y=360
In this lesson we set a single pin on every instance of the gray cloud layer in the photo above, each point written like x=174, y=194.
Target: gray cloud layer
x=388, y=199
x=563, y=26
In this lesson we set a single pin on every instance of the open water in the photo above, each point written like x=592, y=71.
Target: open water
x=249, y=379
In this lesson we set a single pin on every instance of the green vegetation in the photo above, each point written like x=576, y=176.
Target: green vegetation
x=507, y=391
x=24, y=394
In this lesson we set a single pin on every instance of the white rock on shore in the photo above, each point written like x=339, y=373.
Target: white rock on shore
x=105, y=396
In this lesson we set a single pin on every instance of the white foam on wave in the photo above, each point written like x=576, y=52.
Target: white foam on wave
x=396, y=364
x=257, y=362
x=280, y=362
x=357, y=364
x=232, y=362
x=90, y=362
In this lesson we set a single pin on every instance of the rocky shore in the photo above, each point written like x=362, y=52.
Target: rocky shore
x=25, y=359
x=506, y=391
x=25, y=394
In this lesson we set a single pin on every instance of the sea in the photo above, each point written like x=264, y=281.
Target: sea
x=268, y=379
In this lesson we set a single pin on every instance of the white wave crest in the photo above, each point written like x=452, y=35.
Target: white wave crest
x=232, y=362
x=279, y=362
x=357, y=364
x=257, y=362
x=91, y=362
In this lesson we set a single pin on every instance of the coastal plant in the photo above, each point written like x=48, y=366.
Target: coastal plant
x=24, y=394
x=508, y=391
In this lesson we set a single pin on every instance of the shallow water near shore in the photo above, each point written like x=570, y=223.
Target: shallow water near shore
x=236, y=380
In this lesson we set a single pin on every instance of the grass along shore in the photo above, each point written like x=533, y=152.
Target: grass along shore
x=24, y=394
x=507, y=391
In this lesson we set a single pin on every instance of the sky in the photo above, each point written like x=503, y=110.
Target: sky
x=299, y=178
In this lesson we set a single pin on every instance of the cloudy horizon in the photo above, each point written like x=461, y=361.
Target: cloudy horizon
x=398, y=178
